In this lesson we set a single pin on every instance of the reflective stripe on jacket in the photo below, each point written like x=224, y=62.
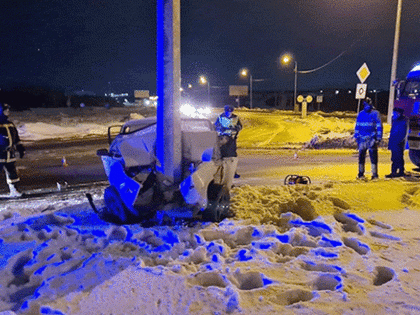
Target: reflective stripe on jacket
x=9, y=139
x=368, y=126
x=228, y=126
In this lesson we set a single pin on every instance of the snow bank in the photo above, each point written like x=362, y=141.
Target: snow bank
x=71, y=262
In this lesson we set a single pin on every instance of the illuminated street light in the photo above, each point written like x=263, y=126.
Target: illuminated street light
x=203, y=80
x=244, y=72
x=285, y=60
x=394, y=63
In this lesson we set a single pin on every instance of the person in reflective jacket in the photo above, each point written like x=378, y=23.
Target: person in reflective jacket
x=397, y=142
x=228, y=126
x=9, y=145
x=368, y=134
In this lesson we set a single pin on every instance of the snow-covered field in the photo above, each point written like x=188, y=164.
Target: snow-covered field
x=338, y=247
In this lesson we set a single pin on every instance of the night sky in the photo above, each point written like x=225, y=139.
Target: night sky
x=105, y=45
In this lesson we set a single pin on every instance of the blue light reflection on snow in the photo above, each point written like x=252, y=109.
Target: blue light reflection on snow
x=244, y=255
x=354, y=217
x=323, y=253
x=9, y=250
x=326, y=242
x=315, y=228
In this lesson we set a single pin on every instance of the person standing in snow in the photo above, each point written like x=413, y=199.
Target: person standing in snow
x=228, y=126
x=9, y=145
x=368, y=134
x=397, y=142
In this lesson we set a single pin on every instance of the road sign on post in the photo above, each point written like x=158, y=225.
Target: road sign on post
x=304, y=101
x=363, y=73
x=361, y=91
x=361, y=88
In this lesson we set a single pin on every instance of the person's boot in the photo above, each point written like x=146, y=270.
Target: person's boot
x=393, y=172
x=14, y=192
x=401, y=173
x=392, y=175
x=375, y=171
x=361, y=174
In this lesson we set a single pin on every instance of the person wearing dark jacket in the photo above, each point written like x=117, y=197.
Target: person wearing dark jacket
x=228, y=126
x=397, y=142
x=368, y=134
x=9, y=145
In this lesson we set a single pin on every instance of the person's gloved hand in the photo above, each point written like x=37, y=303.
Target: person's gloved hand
x=21, y=150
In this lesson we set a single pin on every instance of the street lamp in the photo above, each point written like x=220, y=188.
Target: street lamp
x=394, y=63
x=203, y=80
x=245, y=72
x=286, y=59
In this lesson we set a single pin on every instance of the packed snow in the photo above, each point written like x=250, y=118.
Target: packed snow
x=334, y=247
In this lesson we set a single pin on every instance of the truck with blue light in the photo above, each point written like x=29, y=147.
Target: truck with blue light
x=408, y=98
x=138, y=192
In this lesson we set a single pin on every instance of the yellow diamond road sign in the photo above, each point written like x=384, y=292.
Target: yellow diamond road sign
x=363, y=73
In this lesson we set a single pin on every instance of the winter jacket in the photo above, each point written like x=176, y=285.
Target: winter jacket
x=9, y=141
x=368, y=130
x=226, y=126
x=398, y=135
x=228, y=129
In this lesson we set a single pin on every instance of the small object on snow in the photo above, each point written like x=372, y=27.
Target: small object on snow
x=64, y=161
x=60, y=187
x=296, y=179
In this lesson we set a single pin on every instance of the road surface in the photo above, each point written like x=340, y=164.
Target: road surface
x=42, y=165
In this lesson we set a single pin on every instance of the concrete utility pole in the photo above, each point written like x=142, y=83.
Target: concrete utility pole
x=394, y=63
x=168, y=134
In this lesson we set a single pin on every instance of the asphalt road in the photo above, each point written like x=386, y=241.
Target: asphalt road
x=42, y=165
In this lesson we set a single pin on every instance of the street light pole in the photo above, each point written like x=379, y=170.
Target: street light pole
x=203, y=80
x=250, y=91
x=296, y=105
x=208, y=93
x=394, y=63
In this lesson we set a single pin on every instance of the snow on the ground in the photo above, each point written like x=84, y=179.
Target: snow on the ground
x=339, y=247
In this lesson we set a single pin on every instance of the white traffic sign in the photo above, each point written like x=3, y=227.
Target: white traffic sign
x=361, y=91
x=363, y=73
